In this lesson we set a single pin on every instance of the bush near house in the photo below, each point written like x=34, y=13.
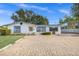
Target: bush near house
x=46, y=33
x=4, y=31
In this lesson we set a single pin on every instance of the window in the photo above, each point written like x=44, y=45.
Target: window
x=17, y=29
x=53, y=29
x=50, y=28
x=41, y=29
x=30, y=28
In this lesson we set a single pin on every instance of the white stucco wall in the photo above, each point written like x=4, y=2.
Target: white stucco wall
x=24, y=27
x=59, y=30
x=47, y=28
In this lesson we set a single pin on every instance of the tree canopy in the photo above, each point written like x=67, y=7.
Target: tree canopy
x=75, y=11
x=66, y=19
x=73, y=19
x=74, y=15
x=29, y=17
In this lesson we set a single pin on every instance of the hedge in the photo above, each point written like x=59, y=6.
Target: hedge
x=46, y=33
x=5, y=31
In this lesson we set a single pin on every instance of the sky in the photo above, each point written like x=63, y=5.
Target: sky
x=52, y=11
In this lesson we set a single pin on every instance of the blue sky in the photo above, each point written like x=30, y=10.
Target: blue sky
x=52, y=11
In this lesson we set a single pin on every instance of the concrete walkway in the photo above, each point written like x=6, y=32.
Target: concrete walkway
x=48, y=45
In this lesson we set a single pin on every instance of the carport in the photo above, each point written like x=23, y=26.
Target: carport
x=55, y=29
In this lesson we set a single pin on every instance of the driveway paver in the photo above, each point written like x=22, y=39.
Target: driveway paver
x=44, y=45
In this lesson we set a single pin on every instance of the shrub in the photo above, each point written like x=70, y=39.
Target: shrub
x=5, y=31
x=2, y=32
x=46, y=33
x=33, y=33
x=8, y=31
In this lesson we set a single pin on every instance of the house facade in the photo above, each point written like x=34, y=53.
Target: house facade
x=27, y=28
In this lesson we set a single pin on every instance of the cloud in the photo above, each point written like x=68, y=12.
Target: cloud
x=6, y=12
x=1, y=11
x=42, y=8
x=22, y=5
x=35, y=7
x=67, y=12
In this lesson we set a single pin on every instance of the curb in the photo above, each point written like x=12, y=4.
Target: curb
x=10, y=45
x=5, y=47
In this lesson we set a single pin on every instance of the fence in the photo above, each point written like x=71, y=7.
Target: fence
x=70, y=30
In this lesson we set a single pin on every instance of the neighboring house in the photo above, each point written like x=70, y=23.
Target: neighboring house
x=71, y=27
x=27, y=28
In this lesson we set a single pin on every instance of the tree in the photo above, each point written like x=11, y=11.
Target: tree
x=74, y=18
x=66, y=19
x=61, y=21
x=29, y=17
x=70, y=21
x=14, y=17
x=75, y=11
x=40, y=20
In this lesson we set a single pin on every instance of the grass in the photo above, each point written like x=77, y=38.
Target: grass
x=10, y=39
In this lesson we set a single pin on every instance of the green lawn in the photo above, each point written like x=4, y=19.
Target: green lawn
x=10, y=39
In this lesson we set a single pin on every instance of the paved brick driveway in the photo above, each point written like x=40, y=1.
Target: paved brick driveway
x=48, y=45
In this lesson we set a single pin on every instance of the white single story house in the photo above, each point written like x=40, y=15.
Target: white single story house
x=27, y=28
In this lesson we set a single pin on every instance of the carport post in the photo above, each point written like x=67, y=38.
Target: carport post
x=59, y=29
